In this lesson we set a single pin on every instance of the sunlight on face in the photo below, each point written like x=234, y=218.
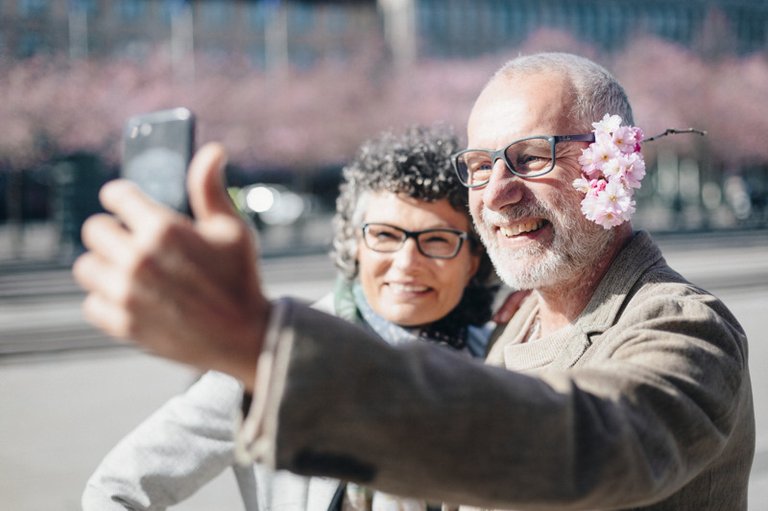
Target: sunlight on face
x=532, y=228
x=405, y=286
x=575, y=244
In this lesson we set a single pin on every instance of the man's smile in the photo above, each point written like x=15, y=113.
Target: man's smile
x=523, y=227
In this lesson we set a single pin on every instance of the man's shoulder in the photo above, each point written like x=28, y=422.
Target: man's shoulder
x=643, y=285
x=660, y=282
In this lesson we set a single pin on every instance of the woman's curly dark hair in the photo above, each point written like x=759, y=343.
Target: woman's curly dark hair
x=416, y=164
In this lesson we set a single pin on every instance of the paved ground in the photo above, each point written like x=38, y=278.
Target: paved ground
x=67, y=394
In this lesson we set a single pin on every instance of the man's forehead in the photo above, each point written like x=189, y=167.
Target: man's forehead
x=513, y=106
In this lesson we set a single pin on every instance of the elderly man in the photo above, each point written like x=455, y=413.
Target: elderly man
x=617, y=385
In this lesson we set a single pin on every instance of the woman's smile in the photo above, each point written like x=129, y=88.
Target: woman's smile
x=402, y=284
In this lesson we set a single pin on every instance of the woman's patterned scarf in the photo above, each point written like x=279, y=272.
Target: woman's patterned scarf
x=351, y=304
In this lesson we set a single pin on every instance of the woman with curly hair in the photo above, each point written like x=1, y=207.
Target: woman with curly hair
x=411, y=269
x=403, y=239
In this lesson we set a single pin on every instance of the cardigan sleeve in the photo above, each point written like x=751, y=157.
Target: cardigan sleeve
x=666, y=401
x=174, y=452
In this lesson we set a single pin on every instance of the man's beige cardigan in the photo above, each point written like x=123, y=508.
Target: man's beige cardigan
x=644, y=402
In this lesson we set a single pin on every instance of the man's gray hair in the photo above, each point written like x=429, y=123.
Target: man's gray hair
x=596, y=91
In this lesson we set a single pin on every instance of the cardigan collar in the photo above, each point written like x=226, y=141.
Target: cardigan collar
x=563, y=347
x=630, y=264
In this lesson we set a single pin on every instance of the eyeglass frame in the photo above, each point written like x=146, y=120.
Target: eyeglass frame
x=502, y=154
x=463, y=236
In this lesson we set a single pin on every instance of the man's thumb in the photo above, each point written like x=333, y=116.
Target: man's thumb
x=207, y=195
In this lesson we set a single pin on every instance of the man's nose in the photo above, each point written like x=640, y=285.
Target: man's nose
x=504, y=188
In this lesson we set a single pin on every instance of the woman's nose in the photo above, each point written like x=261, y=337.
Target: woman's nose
x=408, y=255
x=503, y=189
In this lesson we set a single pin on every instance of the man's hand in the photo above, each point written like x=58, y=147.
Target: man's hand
x=186, y=289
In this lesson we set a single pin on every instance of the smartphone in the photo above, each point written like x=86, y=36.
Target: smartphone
x=157, y=148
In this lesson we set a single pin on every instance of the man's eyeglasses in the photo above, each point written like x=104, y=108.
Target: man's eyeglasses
x=434, y=243
x=527, y=157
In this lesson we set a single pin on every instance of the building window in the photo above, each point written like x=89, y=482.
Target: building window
x=30, y=43
x=304, y=57
x=131, y=10
x=256, y=56
x=33, y=8
x=336, y=19
x=171, y=9
x=260, y=14
x=216, y=12
x=301, y=18
x=90, y=7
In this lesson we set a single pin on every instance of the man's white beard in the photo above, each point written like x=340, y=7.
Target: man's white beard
x=576, y=245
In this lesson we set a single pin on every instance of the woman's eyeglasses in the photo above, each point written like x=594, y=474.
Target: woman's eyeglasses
x=434, y=243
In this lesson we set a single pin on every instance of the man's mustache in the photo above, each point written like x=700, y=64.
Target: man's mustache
x=512, y=214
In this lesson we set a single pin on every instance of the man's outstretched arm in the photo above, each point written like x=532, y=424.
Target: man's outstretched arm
x=417, y=420
x=186, y=289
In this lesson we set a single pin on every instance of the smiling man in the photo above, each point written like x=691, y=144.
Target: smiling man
x=532, y=226
x=617, y=385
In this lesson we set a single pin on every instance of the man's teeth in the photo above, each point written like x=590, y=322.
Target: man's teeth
x=514, y=230
x=405, y=288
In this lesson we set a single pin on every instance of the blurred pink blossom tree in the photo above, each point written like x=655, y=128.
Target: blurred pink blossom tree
x=315, y=117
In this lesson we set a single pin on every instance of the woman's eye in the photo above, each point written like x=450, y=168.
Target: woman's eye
x=384, y=235
x=434, y=240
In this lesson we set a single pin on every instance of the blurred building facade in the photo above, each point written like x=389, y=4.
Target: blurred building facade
x=269, y=32
x=302, y=32
x=274, y=34
x=462, y=28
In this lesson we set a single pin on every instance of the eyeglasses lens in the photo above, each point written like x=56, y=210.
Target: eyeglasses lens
x=530, y=157
x=437, y=243
x=526, y=158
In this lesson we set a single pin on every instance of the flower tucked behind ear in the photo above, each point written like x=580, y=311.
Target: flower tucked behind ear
x=612, y=168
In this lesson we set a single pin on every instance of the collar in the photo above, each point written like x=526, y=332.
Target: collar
x=563, y=347
x=630, y=264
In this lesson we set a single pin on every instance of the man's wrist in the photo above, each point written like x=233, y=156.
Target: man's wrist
x=262, y=391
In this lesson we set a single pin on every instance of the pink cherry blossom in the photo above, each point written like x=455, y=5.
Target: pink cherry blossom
x=595, y=156
x=589, y=161
x=608, y=124
x=639, y=137
x=634, y=170
x=624, y=139
x=615, y=197
x=581, y=184
x=612, y=169
x=590, y=206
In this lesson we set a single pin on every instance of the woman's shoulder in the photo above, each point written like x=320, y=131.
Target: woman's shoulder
x=325, y=304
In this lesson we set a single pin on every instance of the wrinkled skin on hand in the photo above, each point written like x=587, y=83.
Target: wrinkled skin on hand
x=185, y=289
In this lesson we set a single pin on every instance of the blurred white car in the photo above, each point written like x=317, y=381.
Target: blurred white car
x=271, y=204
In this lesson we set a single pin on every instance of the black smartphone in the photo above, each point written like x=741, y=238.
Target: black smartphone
x=157, y=148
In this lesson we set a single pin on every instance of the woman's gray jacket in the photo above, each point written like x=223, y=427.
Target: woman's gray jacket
x=185, y=444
